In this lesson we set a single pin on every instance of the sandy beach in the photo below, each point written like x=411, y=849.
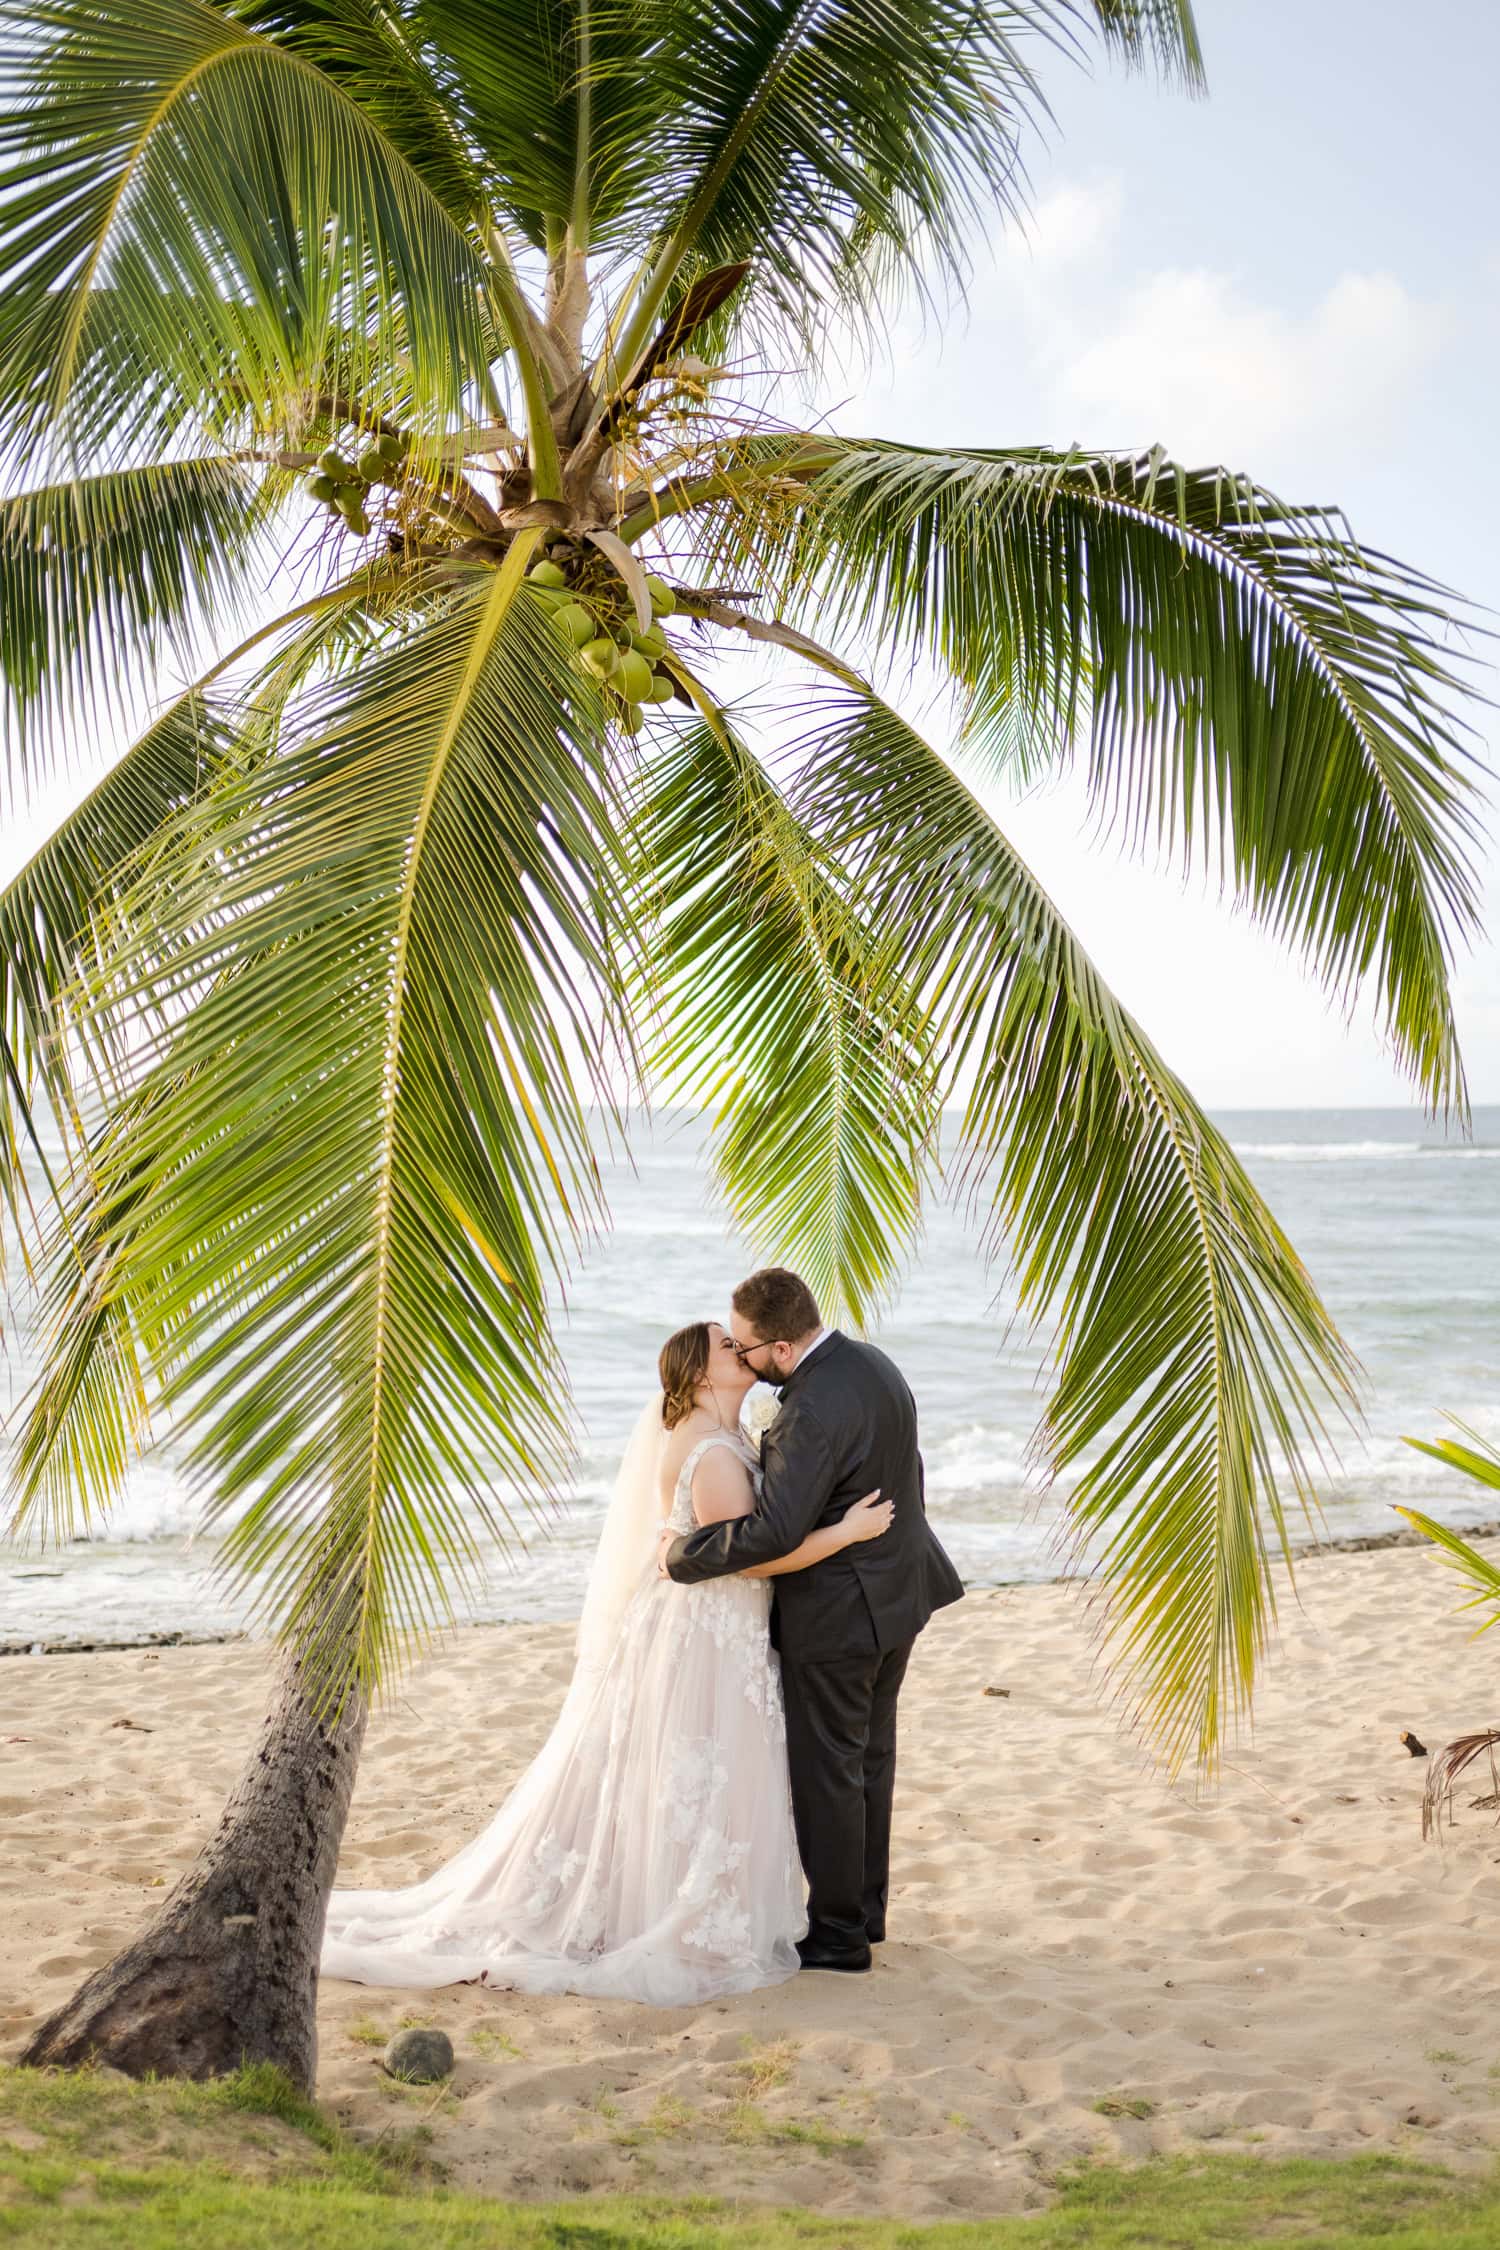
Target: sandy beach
x=1083, y=1959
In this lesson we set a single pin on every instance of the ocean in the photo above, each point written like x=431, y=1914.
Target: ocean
x=1398, y=1223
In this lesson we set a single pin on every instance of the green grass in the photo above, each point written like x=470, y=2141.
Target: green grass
x=765, y=2067
x=743, y=2124
x=747, y=2125
x=483, y=2041
x=89, y=2162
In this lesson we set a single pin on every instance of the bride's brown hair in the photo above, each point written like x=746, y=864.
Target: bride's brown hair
x=682, y=1366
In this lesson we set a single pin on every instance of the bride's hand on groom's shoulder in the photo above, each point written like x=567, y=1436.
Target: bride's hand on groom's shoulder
x=868, y=1518
x=664, y=1539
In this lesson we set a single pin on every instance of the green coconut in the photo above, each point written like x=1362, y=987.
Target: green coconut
x=546, y=574
x=551, y=598
x=371, y=465
x=600, y=656
x=663, y=688
x=652, y=643
x=320, y=486
x=635, y=676
x=392, y=450
x=663, y=600
x=575, y=621
x=352, y=509
x=335, y=464
x=632, y=719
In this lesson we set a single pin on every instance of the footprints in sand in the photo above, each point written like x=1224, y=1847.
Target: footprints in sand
x=70, y=1964
x=411, y=1844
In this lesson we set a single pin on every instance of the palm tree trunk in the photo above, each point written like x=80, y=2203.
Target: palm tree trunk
x=227, y=1972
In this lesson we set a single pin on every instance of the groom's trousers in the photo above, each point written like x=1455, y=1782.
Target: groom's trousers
x=841, y=1752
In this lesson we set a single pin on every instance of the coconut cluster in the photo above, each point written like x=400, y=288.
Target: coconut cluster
x=343, y=485
x=593, y=619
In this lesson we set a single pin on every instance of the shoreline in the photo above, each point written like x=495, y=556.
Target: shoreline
x=1352, y=1543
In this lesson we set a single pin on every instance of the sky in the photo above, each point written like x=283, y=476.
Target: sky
x=1299, y=276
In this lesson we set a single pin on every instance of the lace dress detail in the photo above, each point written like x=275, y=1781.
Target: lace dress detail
x=648, y=1851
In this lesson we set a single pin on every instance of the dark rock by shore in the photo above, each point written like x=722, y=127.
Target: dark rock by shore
x=70, y=1645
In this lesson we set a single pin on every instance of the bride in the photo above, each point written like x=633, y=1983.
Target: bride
x=648, y=1852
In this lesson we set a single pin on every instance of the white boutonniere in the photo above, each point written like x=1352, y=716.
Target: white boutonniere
x=761, y=1407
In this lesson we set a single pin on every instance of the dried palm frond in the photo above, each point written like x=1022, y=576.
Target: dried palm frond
x=1447, y=1764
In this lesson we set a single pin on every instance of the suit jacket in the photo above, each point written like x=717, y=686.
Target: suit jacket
x=847, y=1424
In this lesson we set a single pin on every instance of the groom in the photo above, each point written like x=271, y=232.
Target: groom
x=845, y=1627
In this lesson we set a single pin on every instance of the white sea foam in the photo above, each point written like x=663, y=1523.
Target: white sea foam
x=1358, y=1152
x=976, y=1458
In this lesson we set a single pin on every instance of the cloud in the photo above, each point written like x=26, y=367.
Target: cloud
x=1066, y=338
x=1073, y=221
x=1214, y=372
x=943, y=373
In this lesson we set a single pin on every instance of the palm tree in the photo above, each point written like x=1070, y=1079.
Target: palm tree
x=462, y=312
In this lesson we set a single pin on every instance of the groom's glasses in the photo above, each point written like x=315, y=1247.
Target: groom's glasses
x=742, y=1351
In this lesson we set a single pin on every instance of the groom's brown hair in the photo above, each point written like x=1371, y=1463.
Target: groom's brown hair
x=778, y=1305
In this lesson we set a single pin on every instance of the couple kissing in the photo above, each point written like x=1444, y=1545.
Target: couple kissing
x=730, y=1727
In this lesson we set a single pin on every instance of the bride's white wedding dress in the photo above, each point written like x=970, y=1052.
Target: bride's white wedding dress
x=648, y=1851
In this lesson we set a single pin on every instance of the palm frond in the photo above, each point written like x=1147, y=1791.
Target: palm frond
x=1194, y=1359
x=184, y=203
x=563, y=98
x=1258, y=691
x=360, y=1152
x=776, y=1009
x=1477, y=1459
x=825, y=140
x=379, y=60
x=1481, y=1461
x=1479, y=1573
x=49, y=911
x=61, y=911
x=1164, y=30
x=127, y=564
x=1444, y=1769
x=87, y=1417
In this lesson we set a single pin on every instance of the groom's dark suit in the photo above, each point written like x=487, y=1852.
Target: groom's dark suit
x=844, y=1628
